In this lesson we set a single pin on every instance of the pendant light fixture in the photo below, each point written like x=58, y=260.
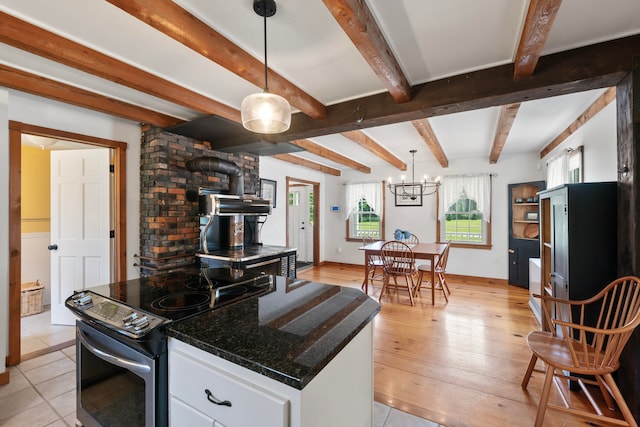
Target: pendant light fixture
x=265, y=112
x=412, y=190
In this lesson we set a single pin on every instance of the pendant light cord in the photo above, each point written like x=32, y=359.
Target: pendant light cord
x=266, y=85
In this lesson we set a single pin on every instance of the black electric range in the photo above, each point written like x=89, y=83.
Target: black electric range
x=121, y=338
x=135, y=311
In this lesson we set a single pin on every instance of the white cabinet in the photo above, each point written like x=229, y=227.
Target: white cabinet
x=340, y=395
x=535, y=287
x=184, y=415
x=214, y=395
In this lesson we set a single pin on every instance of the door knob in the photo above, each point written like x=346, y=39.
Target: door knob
x=511, y=251
x=52, y=247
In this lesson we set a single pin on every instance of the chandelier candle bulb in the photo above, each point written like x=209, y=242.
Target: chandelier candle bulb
x=411, y=190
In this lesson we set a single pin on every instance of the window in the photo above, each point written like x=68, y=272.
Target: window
x=465, y=211
x=365, y=210
x=567, y=167
x=294, y=201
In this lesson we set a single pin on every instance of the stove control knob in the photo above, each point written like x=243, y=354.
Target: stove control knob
x=141, y=324
x=140, y=321
x=82, y=298
x=128, y=320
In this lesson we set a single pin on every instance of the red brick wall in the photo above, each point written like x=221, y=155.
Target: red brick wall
x=169, y=223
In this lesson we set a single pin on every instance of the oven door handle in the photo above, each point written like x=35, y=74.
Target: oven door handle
x=121, y=362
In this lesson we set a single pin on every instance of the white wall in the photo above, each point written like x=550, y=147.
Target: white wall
x=22, y=107
x=598, y=136
x=37, y=265
x=422, y=220
x=38, y=111
x=600, y=164
x=275, y=229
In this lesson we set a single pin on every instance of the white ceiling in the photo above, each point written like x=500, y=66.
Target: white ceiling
x=431, y=39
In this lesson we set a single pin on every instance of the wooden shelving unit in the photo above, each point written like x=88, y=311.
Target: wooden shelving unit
x=523, y=230
x=521, y=207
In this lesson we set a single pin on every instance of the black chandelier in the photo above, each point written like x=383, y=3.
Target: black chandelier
x=411, y=190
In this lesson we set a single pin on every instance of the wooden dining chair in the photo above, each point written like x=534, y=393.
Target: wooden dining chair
x=440, y=273
x=398, y=261
x=412, y=240
x=587, y=338
x=374, y=262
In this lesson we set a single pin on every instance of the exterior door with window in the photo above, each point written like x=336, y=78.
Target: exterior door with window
x=300, y=225
x=80, y=219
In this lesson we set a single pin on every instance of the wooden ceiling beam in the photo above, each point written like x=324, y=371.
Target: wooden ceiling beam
x=591, y=67
x=429, y=137
x=365, y=141
x=358, y=23
x=505, y=121
x=52, y=89
x=328, y=154
x=177, y=23
x=30, y=38
x=535, y=31
x=598, y=105
x=290, y=158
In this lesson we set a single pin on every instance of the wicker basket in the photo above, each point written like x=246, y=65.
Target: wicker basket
x=31, y=298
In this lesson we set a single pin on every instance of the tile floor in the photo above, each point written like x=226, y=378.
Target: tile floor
x=37, y=333
x=385, y=416
x=42, y=393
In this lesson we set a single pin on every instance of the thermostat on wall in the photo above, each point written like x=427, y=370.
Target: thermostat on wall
x=335, y=208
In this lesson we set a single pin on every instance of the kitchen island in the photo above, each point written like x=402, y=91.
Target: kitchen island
x=301, y=354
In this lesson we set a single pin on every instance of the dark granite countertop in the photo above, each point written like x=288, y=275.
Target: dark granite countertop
x=288, y=334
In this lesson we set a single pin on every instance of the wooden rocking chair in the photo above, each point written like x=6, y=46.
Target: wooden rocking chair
x=592, y=350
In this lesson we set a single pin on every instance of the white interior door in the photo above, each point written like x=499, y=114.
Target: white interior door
x=80, y=219
x=300, y=229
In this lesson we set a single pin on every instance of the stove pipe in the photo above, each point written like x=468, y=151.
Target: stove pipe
x=214, y=164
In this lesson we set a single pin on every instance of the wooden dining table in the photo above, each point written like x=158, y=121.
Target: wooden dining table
x=428, y=251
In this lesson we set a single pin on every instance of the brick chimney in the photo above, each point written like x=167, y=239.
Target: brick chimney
x=169, y=223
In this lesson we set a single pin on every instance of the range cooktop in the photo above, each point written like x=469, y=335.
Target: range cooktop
x=135, y=307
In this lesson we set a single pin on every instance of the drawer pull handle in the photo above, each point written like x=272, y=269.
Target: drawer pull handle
x=212, y=399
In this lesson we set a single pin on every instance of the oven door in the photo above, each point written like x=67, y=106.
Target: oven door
x=116, y=385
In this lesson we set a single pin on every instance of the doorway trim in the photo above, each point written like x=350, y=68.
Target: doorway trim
x=16, y=130
x=316, y=214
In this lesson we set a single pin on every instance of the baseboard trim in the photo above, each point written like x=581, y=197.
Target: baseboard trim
x=4, y=377
x=458, y=277
x=47, y=350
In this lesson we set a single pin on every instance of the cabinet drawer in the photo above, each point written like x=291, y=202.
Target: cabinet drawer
x=182, y=414
x=250, y=405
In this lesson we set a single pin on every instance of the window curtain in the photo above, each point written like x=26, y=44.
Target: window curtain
x=370, y=191
x=476, y=187
x=557, y=171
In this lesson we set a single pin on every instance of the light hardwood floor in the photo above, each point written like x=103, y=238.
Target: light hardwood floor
x=458, y=363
